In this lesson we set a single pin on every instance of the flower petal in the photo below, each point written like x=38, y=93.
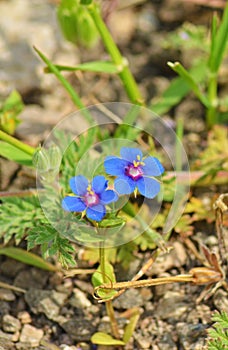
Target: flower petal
x=79, y=185
x=97, y=212
x=124, y=185
x=152, y=167
x=114, y=165
x=99, y=184
x=130, y=154
x=148, y=187
x=108, y=196
x=71, y=203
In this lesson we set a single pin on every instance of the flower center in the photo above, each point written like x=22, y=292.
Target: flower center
x=134, y=170
x=91, y=198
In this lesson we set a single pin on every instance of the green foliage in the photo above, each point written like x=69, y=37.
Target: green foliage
x=51, y=244
x=9, y=112
x=27, y=258
x=18, y=214
x=214, y=158
x=218, y=333
x=107, y=276
x=95, y=66
x=15, y=154
x=105, y=339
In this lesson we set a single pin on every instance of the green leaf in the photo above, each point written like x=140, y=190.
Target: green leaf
x=27, y=258
x=129, y=329
x=190, y=80
x=75, y=98
x=105, y=339
x=98, y=279
x=12, y=153
x=112, y=222
x=219, y=42
x=95, y=66
x=178, y=89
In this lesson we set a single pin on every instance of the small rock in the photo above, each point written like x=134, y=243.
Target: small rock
x=4, y=308
x=142, y=342
x=24, y=317
x=45, y=301
x=220, y=300
x=6, y=294
x=129, y=299
x=32, y=278
x=80, y=329
x=5, y=344
x=167, y=343
x=31, y=336
x=79, y=299
x=175, y=258
x=10, y=324
x=171, y=306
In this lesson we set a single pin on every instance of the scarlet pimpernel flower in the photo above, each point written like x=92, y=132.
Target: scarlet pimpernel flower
x=133, y=172
x=89, y=198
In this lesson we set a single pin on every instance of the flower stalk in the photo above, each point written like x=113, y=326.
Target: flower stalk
x=125, y=74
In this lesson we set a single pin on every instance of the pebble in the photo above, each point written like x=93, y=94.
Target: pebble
x=220, y=300
x=171, y=306
x=6, y=294
x=24, y=317
x=79, y=299
x=30, y=336
x=129, y=299
x=5, y=344
x=31, y=278
x=10, y=324
x=80, y=329
x=45, y=301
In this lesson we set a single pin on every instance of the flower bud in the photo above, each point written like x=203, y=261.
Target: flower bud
x=76, y=23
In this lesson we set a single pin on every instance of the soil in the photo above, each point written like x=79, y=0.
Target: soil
x=53, y=312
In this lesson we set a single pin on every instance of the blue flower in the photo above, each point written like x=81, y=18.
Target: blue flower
x=90, y=198
x=134, y=172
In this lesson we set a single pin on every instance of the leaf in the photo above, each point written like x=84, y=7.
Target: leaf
x=75, y=97
x=219, y=43
x=190, y=80
x=105, y=339
x=109, y=277
x=129, y=329
x=12, y=153
x=95, y=66
x=27, y=258
x=178, y=89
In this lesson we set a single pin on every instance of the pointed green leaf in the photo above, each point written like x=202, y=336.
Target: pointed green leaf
x=96, y=66
x=105, y=339
x=129, y=329
x=183, y=73
x=27, y=258
x=12, y=153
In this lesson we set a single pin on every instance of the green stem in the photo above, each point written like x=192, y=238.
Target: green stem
x=213, y=99
x=16, y=143
x=108, y=304
x=125, y=74
x=178, y=146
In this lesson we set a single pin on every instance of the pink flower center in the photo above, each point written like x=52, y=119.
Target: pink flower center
x=91, y=198
x=134, y=172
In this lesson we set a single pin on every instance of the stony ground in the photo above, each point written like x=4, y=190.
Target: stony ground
x=44, y=310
